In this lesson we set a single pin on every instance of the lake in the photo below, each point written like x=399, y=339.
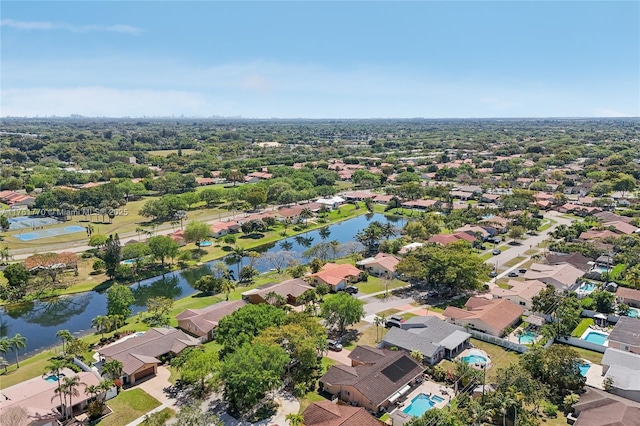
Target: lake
x=40, y=320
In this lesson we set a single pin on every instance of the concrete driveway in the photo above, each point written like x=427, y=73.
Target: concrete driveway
x=156, y=385
x=342, y=357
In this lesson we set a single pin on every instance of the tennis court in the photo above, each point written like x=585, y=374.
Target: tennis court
x=51, y=232
x=28, y=222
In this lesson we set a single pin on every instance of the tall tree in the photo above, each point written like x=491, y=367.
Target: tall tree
x=119, y=300
x=196, y=232
x=17, y=342
x=65, y=336
x=163, y=247
x=342, y=310
x=112, y=255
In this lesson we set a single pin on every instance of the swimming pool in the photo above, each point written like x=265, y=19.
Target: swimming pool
x=595, y=337
x=474, y=359
x=586, y=288
x=633, y=313
x=421, y=404
x=205, y=244
x=584, y=367
x=528, y=338
x=52, y=378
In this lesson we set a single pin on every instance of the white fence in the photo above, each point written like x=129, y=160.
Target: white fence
x=579, y=343
x=498, y=341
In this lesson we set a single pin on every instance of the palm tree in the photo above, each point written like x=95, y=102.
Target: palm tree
x=116, y=321
x=18, y=342
x=335, y=248
x=295, y=419
x=519, y=334
x=65, y=336
x=101, y=323
x=89, y=229
x=53, y=368
x=388, y=230
x=238, y=253
x=70, y=388
x=306, y=214
x=112, y=369
x=379, y=320
x=4, y=346
x=227, y=286
x=285, y=224
x=139, y=230
x=275, y=299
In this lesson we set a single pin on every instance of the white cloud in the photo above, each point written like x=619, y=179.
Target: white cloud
x=100, y=101
x=500, y=103
x=50, y=26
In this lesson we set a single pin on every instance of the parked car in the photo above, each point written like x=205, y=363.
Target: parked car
x=432, y=293
x=522, y=270
x=394, y=321
x=351, y=289
x=496, y=251
x=493, y=274
x=512, y=274
x=334, y=345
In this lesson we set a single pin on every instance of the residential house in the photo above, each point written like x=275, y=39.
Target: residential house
x=39, y=399
x=434, y=338
x=491, y=316
x=15, y=199
x=576, y=260
x=606, y=216
x=474, y=231
x=219, y=229
x=359, y=195
x=622, y=369
x=490, y=198
x=260, y=175
x=382, y=265
x=421, y=204
x=326, y=413
x=140, y=355
x=519, y=292
x=444, y=239
x=375, y=380
x=626, y=335
x=498, y=223
x=629, y=296
x=594, y=234
x=409, y=247
x=202, y=322
x=562, y=276
x=289, y=290
x=332, y=202
x=336, y=276
x=599, y=408
x=620, y=227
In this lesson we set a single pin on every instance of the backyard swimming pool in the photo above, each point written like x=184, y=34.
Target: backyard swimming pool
x=528, y=338
x=421, y=404
x=595, y=337
x=476, y=356
x=633, y=313
x=584, y=368
x=586, y=288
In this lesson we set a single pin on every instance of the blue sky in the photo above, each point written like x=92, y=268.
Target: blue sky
x=321, y=59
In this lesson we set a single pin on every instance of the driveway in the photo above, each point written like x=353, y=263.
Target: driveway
x=342, y=357
x=156, y=385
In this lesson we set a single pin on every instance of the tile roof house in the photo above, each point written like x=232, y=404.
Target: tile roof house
x=620, y=227
x=375, y=379
x=410, y=247
x=561, y=276
x=608, y=216
x=626, y=335
x=623, y=369
x=629, y=296
x=444, y=239
x=599, y=408
x=289, y=290
x=519, y=292
x=38, y=398
x=574, y=259
x=139, y=355
x=336, y=276
x=485, y=315
x=381, y=265
x=202, y=322
x=15, y=199
x=434, y=338
x=326, y=413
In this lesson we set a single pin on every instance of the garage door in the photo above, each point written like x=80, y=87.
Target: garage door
x=144, y=373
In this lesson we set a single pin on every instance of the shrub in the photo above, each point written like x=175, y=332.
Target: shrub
x=550, y=410
x=588, y=303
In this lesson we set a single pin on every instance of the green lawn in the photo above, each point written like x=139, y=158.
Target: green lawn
x=595, y=357
x=582, y=327
x=513, y=262
x=128, y=406
x=500, y=357
x=375, y=285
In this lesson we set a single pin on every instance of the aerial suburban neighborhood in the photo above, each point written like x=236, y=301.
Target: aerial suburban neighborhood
x=411, y=272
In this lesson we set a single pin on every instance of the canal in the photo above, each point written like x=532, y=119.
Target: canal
x=39, y=321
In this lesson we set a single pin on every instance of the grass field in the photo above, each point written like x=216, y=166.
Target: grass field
x=513, y=262
x=582, y=327
x=500, y=358
x=375, y=285
x=128, y=406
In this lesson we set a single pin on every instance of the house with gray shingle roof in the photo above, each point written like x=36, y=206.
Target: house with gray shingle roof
x=623, y=369
x=434, y=338
x=599, y=408
x=626, y=335
x=375, y=379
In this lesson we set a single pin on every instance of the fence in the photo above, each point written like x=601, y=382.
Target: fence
x=498, y=341
x=579, y=343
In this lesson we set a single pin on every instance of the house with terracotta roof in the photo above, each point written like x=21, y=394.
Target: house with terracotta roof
x=600, y=408
x=519, y=292
x=202, y=322
x=594, y=234
x=336, y=276
x=629, y=296
x=421, y=204
x=15, y=199
x=375, y=380
x=444, y=239
x=491, y=316
x=620, y=227
x=140, y=355
x=577, y=260
x=290, y=290
x=326, y=413
x=562, y=276
x=39, y=399
x=382, y=265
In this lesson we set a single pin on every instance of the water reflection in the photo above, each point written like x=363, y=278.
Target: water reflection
x=167, y=286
